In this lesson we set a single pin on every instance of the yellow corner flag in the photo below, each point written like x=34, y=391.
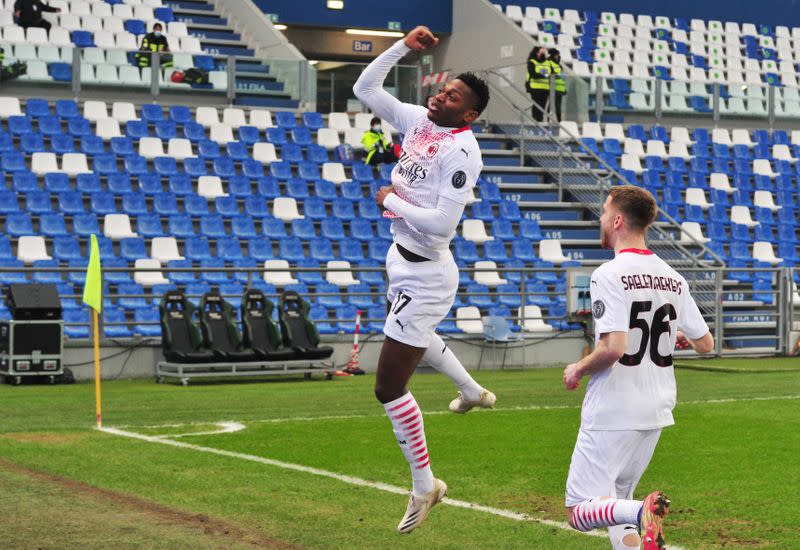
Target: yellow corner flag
x=93, y=297
x=93, y=288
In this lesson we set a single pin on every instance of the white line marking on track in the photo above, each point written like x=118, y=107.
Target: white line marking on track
x=281, y=420
x=508, y=514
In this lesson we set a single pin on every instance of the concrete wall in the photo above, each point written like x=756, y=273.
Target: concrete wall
x=482, y=39
x=139, y=362
x=336, y=44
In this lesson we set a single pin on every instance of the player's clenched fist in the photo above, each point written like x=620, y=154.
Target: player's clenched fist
x=572, y=376
x=383, y=192
x=420, y=39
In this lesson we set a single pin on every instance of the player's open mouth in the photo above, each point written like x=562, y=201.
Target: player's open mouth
x=432, y=105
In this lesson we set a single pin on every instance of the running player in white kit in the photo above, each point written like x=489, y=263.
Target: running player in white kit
x=439, y=165
x=632, y=388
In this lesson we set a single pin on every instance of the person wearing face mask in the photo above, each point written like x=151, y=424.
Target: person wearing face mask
x=377, y=145
x=554, y=60
x=538, y=81
x=153, y=42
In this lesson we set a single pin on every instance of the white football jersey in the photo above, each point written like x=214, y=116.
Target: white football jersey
x=638, y=293
x=435, y=161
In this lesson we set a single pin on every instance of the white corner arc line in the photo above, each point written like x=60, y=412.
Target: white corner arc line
x=508, y=514
x=224, y=428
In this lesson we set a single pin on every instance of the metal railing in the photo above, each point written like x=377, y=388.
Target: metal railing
x=743, y=320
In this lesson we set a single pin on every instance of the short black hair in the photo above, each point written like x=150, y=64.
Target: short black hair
x=374, y=120
x=478, y=87
x=158, y=24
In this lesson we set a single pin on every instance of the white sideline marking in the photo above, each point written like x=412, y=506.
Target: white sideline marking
x=522, y=408
x=224, y=428
x=508, y=514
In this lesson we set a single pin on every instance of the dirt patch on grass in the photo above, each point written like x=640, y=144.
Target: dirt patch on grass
x=220, y=529
x=44, y=437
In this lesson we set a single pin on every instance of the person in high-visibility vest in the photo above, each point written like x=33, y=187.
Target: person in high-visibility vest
x=538, y=81
x=377, y=144
x=153, y=42
x=554, y=59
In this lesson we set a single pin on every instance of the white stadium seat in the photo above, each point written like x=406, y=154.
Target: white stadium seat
x=261, y=119
x=276, y=272
x=165, y=249
x=234, y=117
x=468, y=320
x=108, y=128
x=265, y=153
x=207, y=116
x=44, y=163
x=147, y=273
x=221, y=133
x=151, y=147
x=285, y=208
x=340, y=278
x=210, y=187
x=764, y=199
x=95, y=110
x=180, y=149
x=692, y=229
x=532, y=319
x=697, y=197
x=328, y=138
x=32, y=248
x=124, y=111
x=489, y=278
x=118, y=226
x=763, y=252
x=74, y=164
x=334, y=171
x=339, y=121
x=550, y=251
x=741, y=215
x=475, y=231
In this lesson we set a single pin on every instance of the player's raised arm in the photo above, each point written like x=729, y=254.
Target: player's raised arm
x=369, y=86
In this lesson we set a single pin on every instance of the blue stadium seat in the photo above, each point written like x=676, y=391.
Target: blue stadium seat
x=213, y=226
x=180, y=184
x=482, y=211
x=14, y=161
x=281, y=170
x=321, y=249
x=311, y=278
x=122, y=146
x=273, y=228
x=285, y=119
x=359, y=296
x=529, y=229
x=147, y=320
x=214, y=277
x=343, y=209
x=308, y=170
x=181, y=114
x=149, y=225
x=52, y=225
x=195, y=205
x=44, y=276
x=361, y=229
x=314, y=208
x=317, y=153
x=19, y=224
x=268, y=187
x=60, y=72
x=259, y=249
x=102, y=203
x=313, y=120
x=522, y=249
x=135, y=26
x=24, y=182
x=32, y=143
x=319, y=314
x=136, y=129
x=495, y=251
x=478, y=296
x=181, y=277
x=19, y=125
x=303, y=229
x=352, y=251
x=466, y=251
x=332, y=299
x=237, y=150
x=132, y=249
x=302, y=136
x=128, y=298
x=5, y=248
x=134, y=204
x=151, y=112
x=256, y=207
x=88, y=184
x=502, y=229
x=196, y=248
x=85, y=224
x=6, y=142
x=298, y=189
x=249, y=135
x=113, y=322
x=509, y=210
x=227, y=206
x=276, y=136
x=193, y=131
x=367, y=209
x=350, y=190
x=90, y=145
x=242, y=275
x=76, y=322
x=36, y=107
x=223, y=167
x=166, y=130
x=362, y=173
x=67, y=108
x=240, y=186
x=377, y=249
x=195, y=167
x=165, y=166
x=229, y=248
x=291, y=249
x=165, y=204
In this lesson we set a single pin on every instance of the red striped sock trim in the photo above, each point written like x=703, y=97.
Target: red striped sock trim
x=411, y=419
x=417, y=444
x=406, y=413
x=415, y=432
x=419, y=451
x=611, y=514
x=424, y=465
x=422, y=458
x=401, y=405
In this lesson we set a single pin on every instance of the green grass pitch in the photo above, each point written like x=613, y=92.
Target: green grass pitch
x=730, y=465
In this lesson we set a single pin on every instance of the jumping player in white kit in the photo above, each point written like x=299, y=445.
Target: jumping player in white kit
x=638, y=304
x=439, y=165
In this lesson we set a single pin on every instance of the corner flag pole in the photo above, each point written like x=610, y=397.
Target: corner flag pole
x=93, y=297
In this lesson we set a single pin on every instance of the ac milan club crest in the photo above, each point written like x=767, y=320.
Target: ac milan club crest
x=433, y=148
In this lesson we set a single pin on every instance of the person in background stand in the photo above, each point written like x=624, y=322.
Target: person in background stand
x=538, y=81
x=28, y=13
x=377, y=145
x=554, y=60
x=153, y=42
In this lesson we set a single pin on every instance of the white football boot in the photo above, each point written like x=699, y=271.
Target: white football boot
x=460, y=405
x=419, y=507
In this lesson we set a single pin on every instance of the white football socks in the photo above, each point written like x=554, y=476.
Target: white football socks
x=605, y=512
x=442, y=358
x=409, y=430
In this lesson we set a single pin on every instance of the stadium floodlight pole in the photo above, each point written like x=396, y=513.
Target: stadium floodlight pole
x=93, y=297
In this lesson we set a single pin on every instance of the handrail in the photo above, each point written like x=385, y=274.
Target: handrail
x=603, y=182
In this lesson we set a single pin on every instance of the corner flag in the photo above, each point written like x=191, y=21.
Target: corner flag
x=93, y=288
x=93, y=297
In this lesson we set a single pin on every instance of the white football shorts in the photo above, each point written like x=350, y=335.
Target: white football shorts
x=421, y=295
x=609, y=463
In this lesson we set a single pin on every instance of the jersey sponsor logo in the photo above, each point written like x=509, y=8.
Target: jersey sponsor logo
x=433, y=149
x=402, y=326
x=654, y=282
x=408, y=169
x=598, y=309
x=466, y=153
x=459, y=179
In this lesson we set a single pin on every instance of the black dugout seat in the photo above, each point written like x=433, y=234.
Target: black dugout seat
x=259, y=331
x=299, y=332
x=220, y=332
x=181, y=340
